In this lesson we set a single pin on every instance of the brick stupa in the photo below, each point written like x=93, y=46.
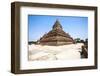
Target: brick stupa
x=56, y=36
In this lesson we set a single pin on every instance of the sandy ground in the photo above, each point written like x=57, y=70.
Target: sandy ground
x=39, y=52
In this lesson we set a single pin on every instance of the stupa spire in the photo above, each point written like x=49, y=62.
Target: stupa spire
x=57, y=25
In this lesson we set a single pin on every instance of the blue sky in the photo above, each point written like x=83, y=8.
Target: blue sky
x=38, y=25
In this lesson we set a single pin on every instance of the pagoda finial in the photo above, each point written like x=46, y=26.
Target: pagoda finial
x=57, y=25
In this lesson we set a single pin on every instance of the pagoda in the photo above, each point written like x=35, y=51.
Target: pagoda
x=56, y=36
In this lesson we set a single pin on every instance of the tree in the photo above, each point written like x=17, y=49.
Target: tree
x=86, y=40
x=86, y=43
x=82, y=41
x=77, y=40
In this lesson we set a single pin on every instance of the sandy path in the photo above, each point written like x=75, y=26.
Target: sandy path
x=38, y=52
